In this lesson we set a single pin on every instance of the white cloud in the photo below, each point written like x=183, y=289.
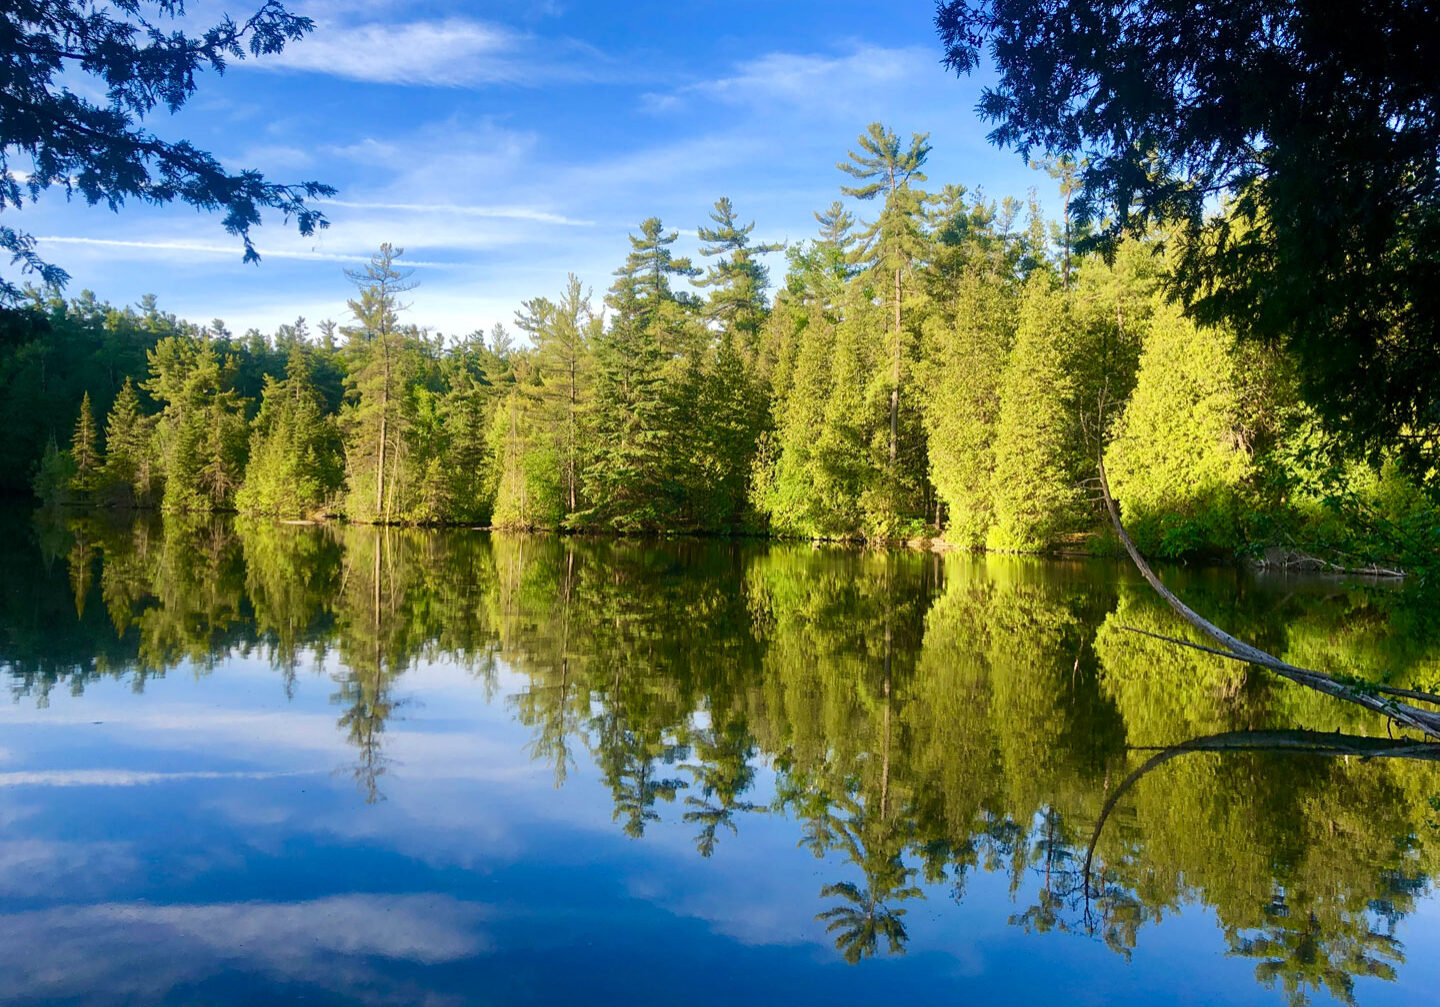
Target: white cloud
x=143, y=953
x=227, y=250
x=840, y=85
x=30, y=867
x=451, y=52
x=496, y=212
x=116, y=777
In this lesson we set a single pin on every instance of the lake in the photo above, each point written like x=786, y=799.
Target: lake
x=255, y=763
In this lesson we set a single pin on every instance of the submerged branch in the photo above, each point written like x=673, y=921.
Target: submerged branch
x=1374, y=698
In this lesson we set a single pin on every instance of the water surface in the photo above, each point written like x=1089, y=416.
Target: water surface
x=253, y=763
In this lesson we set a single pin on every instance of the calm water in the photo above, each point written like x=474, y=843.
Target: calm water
x=255, y=763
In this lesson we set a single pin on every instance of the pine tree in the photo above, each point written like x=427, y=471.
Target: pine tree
x=894, y=241
x=648, y=350
x=563, y=335
x=787, y=474
x=528, y=492
x=381, y=363
x=730, y=421
x=126, y=478
x=625, y=479
x=85, y=452
x=294, y=466
x=736, y=281
x=201, y=431
x=469, y=465
x=966, y=343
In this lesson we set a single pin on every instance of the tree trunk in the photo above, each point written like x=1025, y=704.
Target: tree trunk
x=895, y=379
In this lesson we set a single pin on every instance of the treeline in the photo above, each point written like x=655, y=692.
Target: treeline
x=925, y=718
x=948, y=365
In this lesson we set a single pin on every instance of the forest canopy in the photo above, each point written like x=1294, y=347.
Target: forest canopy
x=931, y=363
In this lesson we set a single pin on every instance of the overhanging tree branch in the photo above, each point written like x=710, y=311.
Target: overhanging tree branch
x=63, y=140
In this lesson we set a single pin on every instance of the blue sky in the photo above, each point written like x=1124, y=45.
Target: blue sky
x=505, y=144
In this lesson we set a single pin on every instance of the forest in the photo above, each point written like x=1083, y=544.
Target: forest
x=933, y=364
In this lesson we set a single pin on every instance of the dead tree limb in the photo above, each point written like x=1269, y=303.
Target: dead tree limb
x=1370, y=697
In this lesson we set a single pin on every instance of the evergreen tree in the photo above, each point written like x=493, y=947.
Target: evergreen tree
x=1180, y=462
x=736, y=280
x=563, y=335
x=893, y=242
x=528, y=492
x=967, y=341
x=731, y=417
x=126, y=478
x=1034, y=492
x=380, y=367
x=787, y=471
x=54, y=476
x=85, y=452
x=647, y=352
x=201, y=431
x=295, y=466
x=466, y=417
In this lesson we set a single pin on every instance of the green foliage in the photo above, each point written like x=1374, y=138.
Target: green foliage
x=52, y=353
x=127, y=479
x=528, y=491
x=645, y=363
x=1327, y=247
x=736, y=280
x=380, y=368
x=1036, y=499
x=295, y=454
x=54, y=477
x=85, y=453
x=1180, y=465
x=950, y=367
x=201, y=430
x=966, y=345
x=918, y=719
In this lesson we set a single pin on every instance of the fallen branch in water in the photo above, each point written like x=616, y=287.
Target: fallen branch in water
x=1379, y=699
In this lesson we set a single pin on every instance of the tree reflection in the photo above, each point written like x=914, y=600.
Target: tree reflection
x=921, y=718
x=724, y=772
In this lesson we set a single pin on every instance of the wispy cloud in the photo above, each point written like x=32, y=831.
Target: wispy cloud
x=451, y=52
x=143, y=953
x=495, y=212
x=228, y=250
x=117, y=777
x=839, y=84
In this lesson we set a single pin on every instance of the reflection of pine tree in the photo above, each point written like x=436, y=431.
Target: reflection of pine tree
x=82, y=570
x=198, y=580
x=874, y=843
x=723, y=774
x=628, y=761
x=366, y=692
x=556, y=701
x=374, y=649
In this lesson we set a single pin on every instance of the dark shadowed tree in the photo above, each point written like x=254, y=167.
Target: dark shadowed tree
x=1295, y=148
